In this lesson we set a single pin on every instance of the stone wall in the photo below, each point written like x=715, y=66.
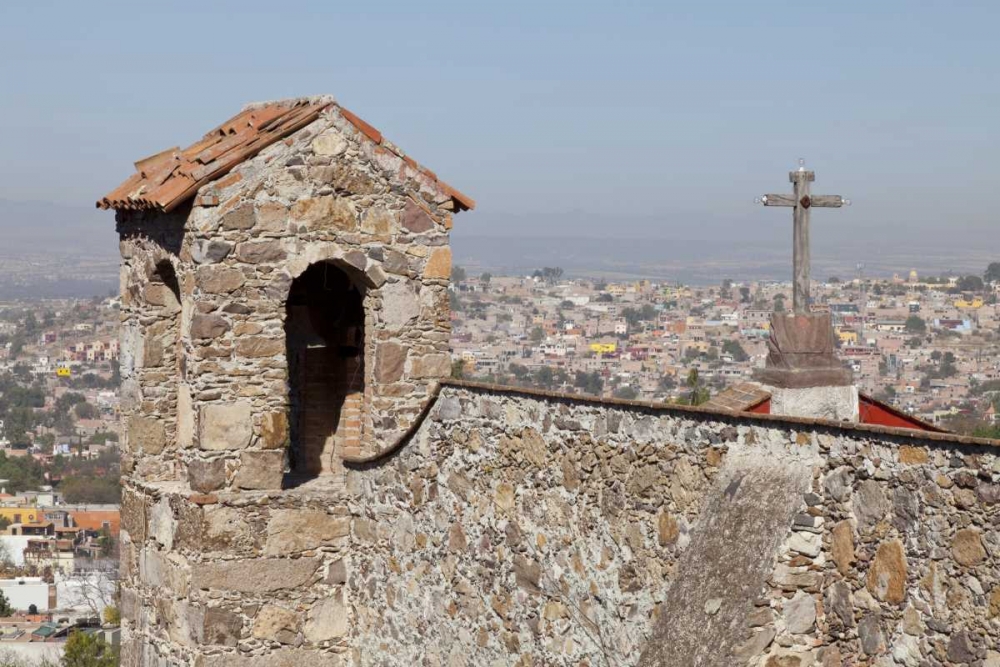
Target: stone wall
x=523, y=529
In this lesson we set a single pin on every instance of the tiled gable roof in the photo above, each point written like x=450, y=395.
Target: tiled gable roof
x=166, y=180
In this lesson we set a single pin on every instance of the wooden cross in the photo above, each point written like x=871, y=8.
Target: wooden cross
x=802, y=201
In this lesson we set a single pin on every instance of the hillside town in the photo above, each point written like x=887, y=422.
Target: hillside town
x=928, y=346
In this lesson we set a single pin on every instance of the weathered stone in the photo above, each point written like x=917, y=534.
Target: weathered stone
x=842, y=546
x=277, y=623
x=754, y=646
x=439, y=264
x=206, y=476
x=256, y=575
x=838, y=602
x=800, y=613
x=240, y=218
x=185, y=417
x=219, y=279
x=261, y=470
x=912, y=455
x=146, y=434
x=255, y=347
x=430, y=366
x=337, y=572
x=325, y=212
x=870, y=634
x=330, y=143
x=221, y=627
x=327, y=620
x=208, y=326
x=282, y=657
x=400, y=304
x=961, y=650
x=274, y=430
x=967, y=547
x=162, y=296
x=870, y=503
x=838, y=484
x=260, y=252
x=416, y=219
x=378, y=222
x=225, y=425
x=291, y=531
x=210, y=252
x=887, y=574
x=668, y=530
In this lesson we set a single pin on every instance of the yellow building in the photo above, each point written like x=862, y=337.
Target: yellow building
x=969, y=302
x=847, y=337
x=603, y=348
x=20, y=514
x=63, y=372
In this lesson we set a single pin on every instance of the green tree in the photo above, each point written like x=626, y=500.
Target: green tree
x=537, y=335
x=915, y=325
x=458, y=369
x=733, y=347
x=970, y=284
x=5, y=608
x=626, y=392
x=87, y=650
x=992, y=274
x=86, y=411
x=458, y=274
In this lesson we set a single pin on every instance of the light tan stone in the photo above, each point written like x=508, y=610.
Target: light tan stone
x=146, y=434
x=325, y=212
x=256, y=575
x=667, y=529
x=277, y=624
x=225, y=425
x=291, y=531
x=219, y=279
x=274, y=430
x=327, y=619
x=261, y=470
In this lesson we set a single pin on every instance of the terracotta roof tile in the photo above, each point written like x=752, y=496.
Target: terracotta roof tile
x=167, y=179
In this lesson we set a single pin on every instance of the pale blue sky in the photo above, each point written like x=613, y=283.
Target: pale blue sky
x=645, y=119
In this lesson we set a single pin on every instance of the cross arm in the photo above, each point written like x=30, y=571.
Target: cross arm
x=828, y=201
x=777, y=200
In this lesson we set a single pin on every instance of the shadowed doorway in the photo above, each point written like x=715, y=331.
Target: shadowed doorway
x=324, y=337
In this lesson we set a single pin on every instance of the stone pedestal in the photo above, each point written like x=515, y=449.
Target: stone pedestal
x=839, y=403
x=803, y=372
x=801, y=353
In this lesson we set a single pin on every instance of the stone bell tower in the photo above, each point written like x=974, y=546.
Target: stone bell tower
x=284, y=290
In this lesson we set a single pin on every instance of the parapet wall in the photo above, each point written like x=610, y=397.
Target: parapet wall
x=522, y=529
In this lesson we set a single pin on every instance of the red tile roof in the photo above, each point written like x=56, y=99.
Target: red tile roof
x=168, y=179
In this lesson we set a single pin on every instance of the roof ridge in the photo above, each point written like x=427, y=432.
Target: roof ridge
x=290, y=101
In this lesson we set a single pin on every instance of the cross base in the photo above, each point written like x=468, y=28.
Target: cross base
x=804, y=378
x=802, y=353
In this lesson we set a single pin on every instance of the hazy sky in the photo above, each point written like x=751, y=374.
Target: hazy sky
x=655, y=119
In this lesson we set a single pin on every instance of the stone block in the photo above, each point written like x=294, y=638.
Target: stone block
x=415, y=219
x=438, y=264
x=219, y=279
x=282, y=657
x=274, y=430
x=219, y=626
x=147, y=434
x=327, y=620
x=185, y=417
x=162, y=524
x=887, y=574
x=400, y=304
x=240, y=218
x=257, y=575
x=206, y=476
x=261, y=470
x=210, y=252
x=225, y=426
x=291, y=531
x=277, y=623
x=208, y=326
x=378, y=222
x=255, y=347
x=325, y=212
x=272, y=217
x=390, y=360
x=436, y=365
x=261, y=252
x=330, y=143
x=967, y=547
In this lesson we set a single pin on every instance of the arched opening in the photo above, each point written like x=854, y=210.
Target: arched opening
x=324, y=338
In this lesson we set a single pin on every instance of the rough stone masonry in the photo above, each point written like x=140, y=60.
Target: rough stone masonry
x=418, y=521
